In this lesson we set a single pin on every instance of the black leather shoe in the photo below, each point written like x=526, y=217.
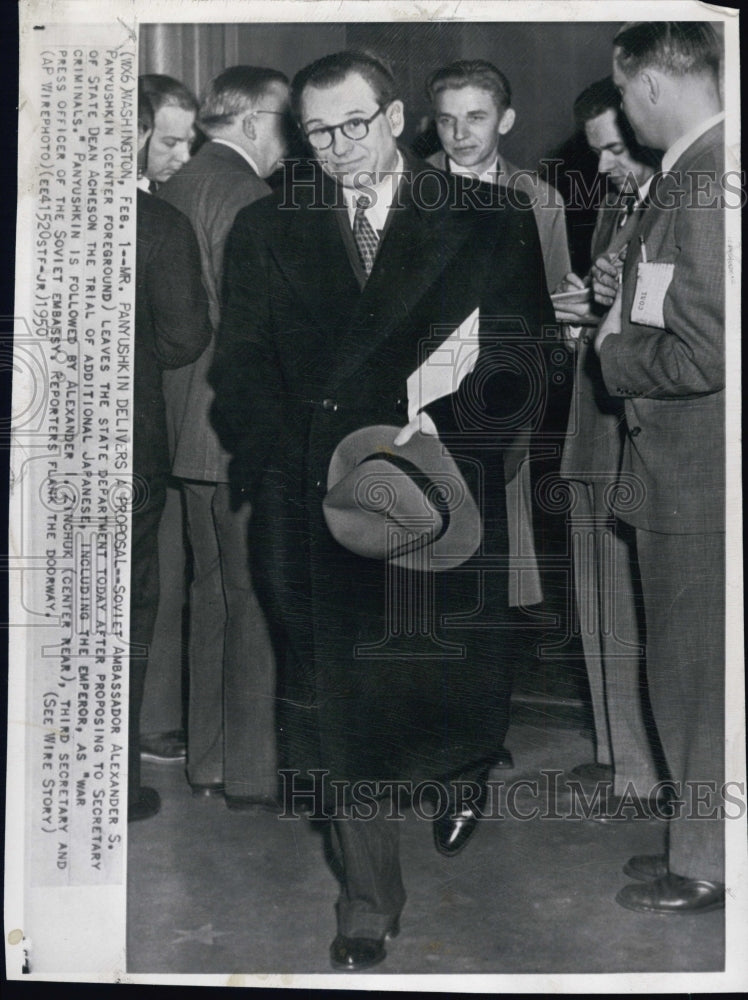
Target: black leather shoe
x=454, y=829
x=646, y=867
x=354, y=953
x=147, y=804
x=163, y=748
x=673, y=894
x=207, y=791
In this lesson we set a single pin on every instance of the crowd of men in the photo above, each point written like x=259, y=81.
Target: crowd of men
x=353, y=367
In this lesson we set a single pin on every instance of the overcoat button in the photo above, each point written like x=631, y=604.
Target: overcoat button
x=635, y=431
x=400, y=406
x=329, y=404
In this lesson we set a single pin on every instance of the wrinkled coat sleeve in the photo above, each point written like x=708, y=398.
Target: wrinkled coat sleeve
x=686, y=358
x=175, y=292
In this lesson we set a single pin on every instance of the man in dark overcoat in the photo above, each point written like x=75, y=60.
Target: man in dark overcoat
x=337, y=289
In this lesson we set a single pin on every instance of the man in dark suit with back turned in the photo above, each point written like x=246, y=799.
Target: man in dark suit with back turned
x=661, y=350
x=338, y=289
x=230, y=729
x=171, y=329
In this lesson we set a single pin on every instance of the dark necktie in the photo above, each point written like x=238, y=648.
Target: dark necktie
x=364, y=235
x=627, y=210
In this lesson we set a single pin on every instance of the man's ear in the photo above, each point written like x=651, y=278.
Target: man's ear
x=143, y=137
x=249, y=126
x=396, y=117
x=507, y=121
x=652, y=84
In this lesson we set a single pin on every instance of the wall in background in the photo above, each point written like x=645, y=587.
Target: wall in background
x=547, y=64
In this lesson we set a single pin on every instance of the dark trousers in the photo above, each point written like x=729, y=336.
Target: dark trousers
x=367, y=855
x=144, y=586
x=683, y=580
x=367, y=859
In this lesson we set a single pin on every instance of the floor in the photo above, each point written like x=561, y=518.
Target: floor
x=214, y=891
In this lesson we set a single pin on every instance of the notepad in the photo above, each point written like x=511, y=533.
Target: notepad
x=652, y=282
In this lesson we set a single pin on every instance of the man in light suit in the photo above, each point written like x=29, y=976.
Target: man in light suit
x=661, y=350
x=605, y=570
x=172, y=328
x=163, y=737
x=230, y=737
x=336, y=288
x=472, y=107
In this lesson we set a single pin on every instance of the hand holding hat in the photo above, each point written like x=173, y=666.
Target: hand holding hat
x=407, y=504
x=421, y=423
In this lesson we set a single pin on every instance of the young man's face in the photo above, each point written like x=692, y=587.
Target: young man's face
x=469, y=125
x=353, y=99
x=605, y=140
x=169, y=148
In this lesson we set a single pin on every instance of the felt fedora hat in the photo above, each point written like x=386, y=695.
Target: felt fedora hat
x=409, y=505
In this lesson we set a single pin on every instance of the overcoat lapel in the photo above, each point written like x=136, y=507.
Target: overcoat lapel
x=362, y=318
x=394, y=286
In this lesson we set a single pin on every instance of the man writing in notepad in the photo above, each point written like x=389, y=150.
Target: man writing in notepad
x=605, y=573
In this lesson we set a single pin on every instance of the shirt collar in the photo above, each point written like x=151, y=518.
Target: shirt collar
x=381, y=199
x=144, y=184
x=681, y=145
x=238, y=149
x=643, y=190
x=489, y=176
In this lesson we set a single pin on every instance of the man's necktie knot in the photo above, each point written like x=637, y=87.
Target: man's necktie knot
x=364, y=234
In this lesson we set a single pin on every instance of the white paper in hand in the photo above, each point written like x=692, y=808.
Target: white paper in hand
x=446, y=366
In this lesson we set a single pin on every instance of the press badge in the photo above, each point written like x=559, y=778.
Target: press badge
x=652, y=282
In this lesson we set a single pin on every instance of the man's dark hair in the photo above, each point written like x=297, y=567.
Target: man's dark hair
x=602, y=96
x=165, y=91
x=674, y=47
x=332, y=69
x=145, y=110
x=595, y=100
x=471, y=73
x=231, y=92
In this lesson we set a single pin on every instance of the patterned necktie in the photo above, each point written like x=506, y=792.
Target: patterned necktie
x=366, y=238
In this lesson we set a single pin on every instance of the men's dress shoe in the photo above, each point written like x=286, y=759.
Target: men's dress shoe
x=146, y=804
x=504, y=758
x=453, y=829
x=214, y=791
x=646, y=867
x=163, y=748
x=354, y=953
x=673, y=894
x=251, y=803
